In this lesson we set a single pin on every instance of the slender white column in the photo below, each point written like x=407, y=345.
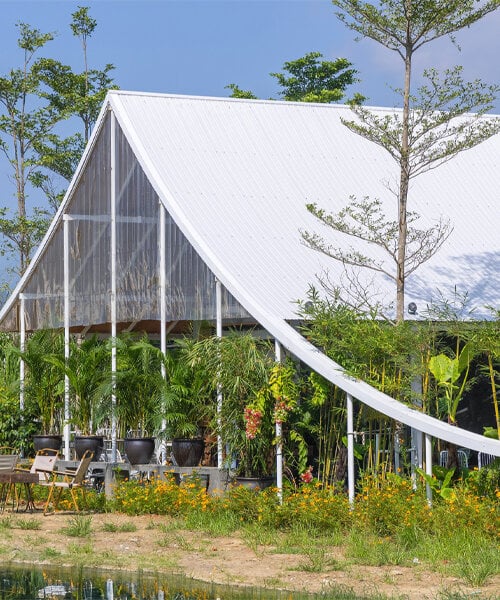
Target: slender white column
x=113, y=283
x=279, y=434
x=428, y=465
x=22, y=347
x=218, y=313
x=350, y=448
x=163, y=314
x=67, y=414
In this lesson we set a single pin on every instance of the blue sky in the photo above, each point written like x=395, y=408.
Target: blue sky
x=200, y=46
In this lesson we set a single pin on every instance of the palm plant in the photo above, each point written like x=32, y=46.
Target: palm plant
x=86, y=370
x=185, y=401
x=137, y=384
x=44, y=384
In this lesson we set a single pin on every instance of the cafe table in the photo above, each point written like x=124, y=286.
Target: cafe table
x=10, y=480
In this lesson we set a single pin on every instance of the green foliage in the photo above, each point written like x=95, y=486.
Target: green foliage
x=308, y=79
x=32, y=524
x=485, y=482
x=86, y=369
x=16, y=426
x=34, y=99
x=186, y=405
x=312, y=80
x=79, y=526
x=123, y=527
x=137, y=384
x=447, y=372
x=440, y=481
x=24, y=120
x=238, y=366
x=44, y=385
x=237, y=92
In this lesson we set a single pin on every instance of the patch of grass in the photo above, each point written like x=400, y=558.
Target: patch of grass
x=80, y=551
x=340, y=592
x=476, y=563
x=371, y=549
x=33, y=542
x=256, y=535
x=447, y=595
x=79, y=526
x=315, y=561
x=170, y=525
x=48, y=553
x=28, y=523
x=122, y=528
x=175, y=540
x=6, y=522
x=215, y=523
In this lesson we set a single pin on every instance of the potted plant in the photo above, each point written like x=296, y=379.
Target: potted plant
x=238, y=366
x=137, y=386
x=44, y=386
x=184, y=411
x=86, y=370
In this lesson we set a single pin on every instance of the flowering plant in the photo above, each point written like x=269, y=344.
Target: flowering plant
x=307, y=476
x=281, y=392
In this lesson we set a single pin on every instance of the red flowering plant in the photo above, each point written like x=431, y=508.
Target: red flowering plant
x=271, y=405
x=307, y=475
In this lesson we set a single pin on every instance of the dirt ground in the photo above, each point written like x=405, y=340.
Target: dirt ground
x=157, y=545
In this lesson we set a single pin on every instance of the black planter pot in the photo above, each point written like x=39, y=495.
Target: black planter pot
x=53, y=442
x=94, y=443
x=255, y=483
x=187, y=452
x=139, y=450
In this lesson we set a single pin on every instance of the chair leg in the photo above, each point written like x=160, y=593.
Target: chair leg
x=57, y=498
x=75, y=502
x=51, y=492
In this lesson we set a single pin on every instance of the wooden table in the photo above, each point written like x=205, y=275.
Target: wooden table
x=8, y=482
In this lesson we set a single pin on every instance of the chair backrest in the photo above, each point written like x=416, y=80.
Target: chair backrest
x=8, y=462
x=44, y=463
x=83, y=466
x=463, y=461
x=484, y=459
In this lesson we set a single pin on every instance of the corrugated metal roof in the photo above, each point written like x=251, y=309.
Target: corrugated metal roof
x=238, y=174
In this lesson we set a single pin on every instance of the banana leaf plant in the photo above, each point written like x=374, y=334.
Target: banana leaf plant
x=451, y=375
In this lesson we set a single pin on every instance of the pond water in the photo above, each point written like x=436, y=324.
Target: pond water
x=82, y=584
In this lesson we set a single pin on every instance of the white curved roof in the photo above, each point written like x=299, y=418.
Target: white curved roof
x=239, y=173
x=235, y=176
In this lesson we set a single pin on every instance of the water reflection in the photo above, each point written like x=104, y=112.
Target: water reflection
x=84, y=584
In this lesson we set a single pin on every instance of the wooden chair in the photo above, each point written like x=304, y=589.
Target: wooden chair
x=7, y=465
x=43, y=464
x=68, y=480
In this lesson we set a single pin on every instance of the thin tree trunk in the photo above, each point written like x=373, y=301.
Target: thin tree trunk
x=403, y=187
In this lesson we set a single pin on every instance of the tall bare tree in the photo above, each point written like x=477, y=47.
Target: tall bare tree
x=433, y=126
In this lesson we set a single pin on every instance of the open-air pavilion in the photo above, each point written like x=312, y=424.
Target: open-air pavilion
x=189, y=209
